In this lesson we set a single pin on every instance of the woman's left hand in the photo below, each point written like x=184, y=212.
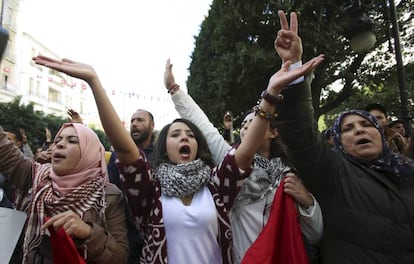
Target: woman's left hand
x=295, y=188
x=72, y=223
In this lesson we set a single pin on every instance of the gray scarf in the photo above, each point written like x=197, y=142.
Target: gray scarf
x=265, y=176
x=182, y=180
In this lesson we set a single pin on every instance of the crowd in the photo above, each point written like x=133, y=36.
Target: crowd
x=282, y=193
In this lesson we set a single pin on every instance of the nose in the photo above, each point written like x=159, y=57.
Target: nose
x=359, y=129
x=60, y=144
x=184, y=136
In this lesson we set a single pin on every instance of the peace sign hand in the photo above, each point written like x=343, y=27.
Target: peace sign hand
x=288, y=44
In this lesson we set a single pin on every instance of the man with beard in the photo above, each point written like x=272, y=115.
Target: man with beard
x=141, y=129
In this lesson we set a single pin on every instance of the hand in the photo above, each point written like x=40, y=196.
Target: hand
x=69, y=67
x=71, y=222
x=43, y=156
x=283, y=77
x=228, y=120
x=288, y=44
x=168, y=75
x=24, y=137
x=295, y=188
x=48, y=135
x=74, y=117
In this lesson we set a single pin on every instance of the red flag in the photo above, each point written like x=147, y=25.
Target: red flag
x=280, y=241
x=63, y=247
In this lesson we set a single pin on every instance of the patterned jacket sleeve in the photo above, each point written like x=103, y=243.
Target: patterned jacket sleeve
x=228, y=178
x=138, y=185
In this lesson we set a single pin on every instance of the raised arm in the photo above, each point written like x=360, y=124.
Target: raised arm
x=117, y=134
x=265, y=111
x=188, y=109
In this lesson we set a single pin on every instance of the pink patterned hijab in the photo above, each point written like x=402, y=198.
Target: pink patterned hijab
x=81, y=190
x=91, y=165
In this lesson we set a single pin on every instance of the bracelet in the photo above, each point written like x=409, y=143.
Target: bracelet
x=263, y=113
x=173, y=88
x=271, y=98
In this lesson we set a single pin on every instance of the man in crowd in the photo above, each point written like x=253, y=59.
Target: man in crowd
x=142, y=132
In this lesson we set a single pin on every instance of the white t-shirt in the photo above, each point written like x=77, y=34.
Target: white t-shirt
x=191, y=230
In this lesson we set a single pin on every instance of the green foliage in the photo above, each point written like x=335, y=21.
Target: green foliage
x=17, y=115
x=234, y=55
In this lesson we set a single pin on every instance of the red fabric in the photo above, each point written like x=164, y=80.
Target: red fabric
x=281, y=239
x=63, y=247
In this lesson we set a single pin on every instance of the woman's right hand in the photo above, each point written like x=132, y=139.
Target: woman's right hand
x=69, y=67
x=168, y=75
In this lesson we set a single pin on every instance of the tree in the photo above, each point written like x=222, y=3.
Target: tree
x=234, y=54
x=17, y=115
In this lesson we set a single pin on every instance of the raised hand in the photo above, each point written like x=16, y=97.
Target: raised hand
x=24, y=136
x=48, y=135
x=69, y=67
x=168, y=75
x=74, y=117
x=288, y=44
x=283, y=77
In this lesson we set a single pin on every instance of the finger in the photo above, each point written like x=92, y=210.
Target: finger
x=167, y=64
x=67, y=60
x=52, y=220
x=283, y=20
x=286, y=65
x=294, y=22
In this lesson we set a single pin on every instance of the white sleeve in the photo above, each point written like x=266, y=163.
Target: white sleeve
x=311, y=222
x=187, y=108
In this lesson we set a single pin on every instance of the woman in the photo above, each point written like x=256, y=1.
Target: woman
x=251, y=209
x=366, y=192
x=182, y=206
x=73, y=191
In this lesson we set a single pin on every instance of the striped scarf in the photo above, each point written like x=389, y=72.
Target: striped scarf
x=47, y=202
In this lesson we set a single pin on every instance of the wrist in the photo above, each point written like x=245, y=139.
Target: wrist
x=270, y=98
x=172, y=89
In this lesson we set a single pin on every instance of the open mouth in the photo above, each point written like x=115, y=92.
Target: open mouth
x=363, y=141
x=58, y=156
x=135, y=132
x=185, y=151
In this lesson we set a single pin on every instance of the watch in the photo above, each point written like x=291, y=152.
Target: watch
x=271, y=98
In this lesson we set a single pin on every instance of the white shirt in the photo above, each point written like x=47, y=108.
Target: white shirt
x=191, y=230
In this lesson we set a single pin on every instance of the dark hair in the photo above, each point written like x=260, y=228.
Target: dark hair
x=13, y=131
x=393, y=123
x=148, y=112
x=376, y=106
x=277, y=147
x=327, y=133
x=160, y=150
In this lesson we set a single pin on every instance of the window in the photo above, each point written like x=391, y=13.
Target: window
x=53, y=95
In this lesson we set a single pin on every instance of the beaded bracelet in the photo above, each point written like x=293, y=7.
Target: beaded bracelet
x=173, y=88
x=263, y=113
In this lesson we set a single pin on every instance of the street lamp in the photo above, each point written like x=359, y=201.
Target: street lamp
x=404, y=115
x=361, y=37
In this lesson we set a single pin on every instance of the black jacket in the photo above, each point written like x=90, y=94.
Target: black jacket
x=367, y=218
